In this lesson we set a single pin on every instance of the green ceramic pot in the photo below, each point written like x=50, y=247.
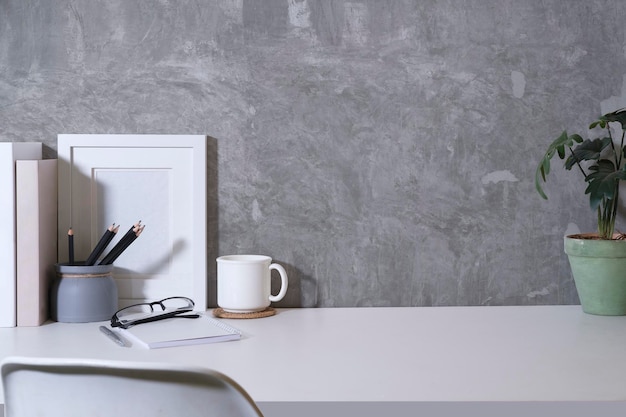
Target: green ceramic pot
x=599, y=270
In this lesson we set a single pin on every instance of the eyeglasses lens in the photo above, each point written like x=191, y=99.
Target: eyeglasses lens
x=136, y=312
x=176, y=303
x=142, y=311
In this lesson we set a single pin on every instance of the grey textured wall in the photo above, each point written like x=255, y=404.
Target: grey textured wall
x=384, y=151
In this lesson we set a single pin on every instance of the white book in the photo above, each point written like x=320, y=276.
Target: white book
x=36, y=202
x=9, y=153
x=180, y=331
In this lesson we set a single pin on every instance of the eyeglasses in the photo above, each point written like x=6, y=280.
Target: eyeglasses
x=172, y=307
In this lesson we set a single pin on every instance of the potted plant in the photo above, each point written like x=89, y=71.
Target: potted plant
x=597, y=260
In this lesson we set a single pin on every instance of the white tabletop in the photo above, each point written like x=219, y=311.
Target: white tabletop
x=423, y=354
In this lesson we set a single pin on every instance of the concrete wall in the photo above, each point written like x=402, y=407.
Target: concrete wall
x=384, y=151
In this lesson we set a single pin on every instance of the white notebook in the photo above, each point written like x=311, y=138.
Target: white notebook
x=180, y=331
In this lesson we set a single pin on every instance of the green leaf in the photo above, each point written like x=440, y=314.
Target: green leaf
x=616, y=116
x=542, y=171
x=599, y=122
x=603, y=182
x=545, y=169
x=557, y=146
x=589, y=150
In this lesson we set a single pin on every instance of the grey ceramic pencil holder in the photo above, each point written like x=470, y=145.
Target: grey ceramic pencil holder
x=83, y=294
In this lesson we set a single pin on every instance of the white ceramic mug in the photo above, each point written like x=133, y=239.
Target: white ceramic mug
x=244, y=283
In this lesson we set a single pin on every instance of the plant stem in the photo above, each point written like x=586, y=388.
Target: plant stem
x=621, y=149
x=577, y=162
x=617, y=156
x=607, y=211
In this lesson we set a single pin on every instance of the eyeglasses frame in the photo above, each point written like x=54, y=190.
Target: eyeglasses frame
x=116, y=322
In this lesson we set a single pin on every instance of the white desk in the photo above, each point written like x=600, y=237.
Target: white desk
x=409, y=358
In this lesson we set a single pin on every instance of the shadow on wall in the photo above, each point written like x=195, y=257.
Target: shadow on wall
x=212, y=208
x=293, y=298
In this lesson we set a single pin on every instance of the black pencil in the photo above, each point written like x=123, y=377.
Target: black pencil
x=106, y=238
x=70, y=246
x=133, y=229
x=121, y=246
x=122, y=242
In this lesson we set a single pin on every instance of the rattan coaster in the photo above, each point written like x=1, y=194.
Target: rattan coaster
x=219, y=312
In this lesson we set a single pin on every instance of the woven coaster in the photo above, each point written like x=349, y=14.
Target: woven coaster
x=219, y=312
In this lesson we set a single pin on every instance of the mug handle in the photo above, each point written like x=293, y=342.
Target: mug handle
x=283, y=283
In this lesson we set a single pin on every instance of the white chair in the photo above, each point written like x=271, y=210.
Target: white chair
x=46, y=387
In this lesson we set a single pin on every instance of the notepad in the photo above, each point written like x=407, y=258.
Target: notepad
x=179, y=332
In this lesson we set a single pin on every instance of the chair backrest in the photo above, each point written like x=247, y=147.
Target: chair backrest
x=47, y=387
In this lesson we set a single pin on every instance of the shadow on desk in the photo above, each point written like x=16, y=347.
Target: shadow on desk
x=438, y=409
x=443, y=409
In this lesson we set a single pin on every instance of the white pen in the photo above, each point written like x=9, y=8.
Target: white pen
x=112, y=336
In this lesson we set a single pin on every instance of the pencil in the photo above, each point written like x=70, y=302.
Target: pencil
x=122, y=245
x=122, y=242
x=131, y=231
x=70, y=245
x=106, y=238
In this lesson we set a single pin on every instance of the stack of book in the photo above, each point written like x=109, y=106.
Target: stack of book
x=28, y=243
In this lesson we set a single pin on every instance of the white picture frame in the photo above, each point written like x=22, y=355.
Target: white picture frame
x=159, y=180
